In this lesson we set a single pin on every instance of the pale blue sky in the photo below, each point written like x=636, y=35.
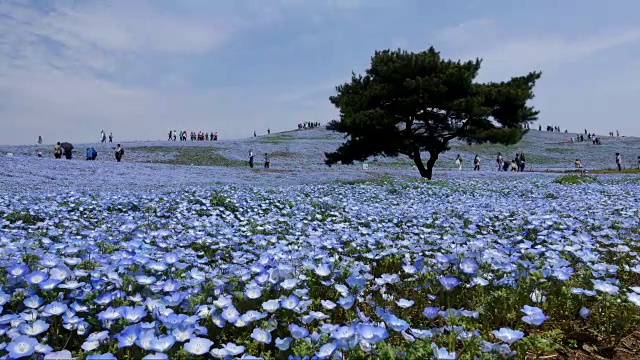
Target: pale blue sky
x=69, y=68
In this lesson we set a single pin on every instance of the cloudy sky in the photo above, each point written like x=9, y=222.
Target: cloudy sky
x=137, y=68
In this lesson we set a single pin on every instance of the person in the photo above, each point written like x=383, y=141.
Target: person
x=170, y=135
x=268, y=131
x=175, y=135
x=617, y=133
x=119, y=152
x=506, y=165
x=103, y=137
x=476, y=163
x=459, y=162
x=215, y=136
x=92, y=154
x=578, y=165
x=39, y=153
x=39, y=140
x=500, y=161
x=254, y=133
x=522, y=161
x=619, y=161
x=251, y=156
x=110, y=137
x=267, y=162
x=57, y=151
x=67, y=152
x=514, y=165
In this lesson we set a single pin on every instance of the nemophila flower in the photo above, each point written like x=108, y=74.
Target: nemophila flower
x=133, y=314
x=395, y=323
x=183, y=332
x=54, y=309
x=271, y=305
x=534, y=315
x=36, y=277
x=230, y=314
x=103, y=299
x=328, y=304
x=323, y=270
x=508, y=335
x=105, y=356
x=17, y=270
x=128, y=336
x=33, y=329
x=468, y=266
x=441, y=353
x=163, y=343
x=59, y=355
x=371, y=334
x=283, y=344
x=145, y=280
x=326, y=351
x=261, y=336
x=605, y=287
x=298, y=332
x=110, y=314
x=198, y=346
x=346, y=302
x=538, y=297
x=404, y=303
x=170, y=258
x=156, y=356
x=21, y=346
x=33, y=302
x=634, y=298
x=290, y=302
x=584, y=312
x=449, y=282
x=579, y=291
x=430, y=312
x=145, y=338
x=232, y=349
x=421, y=334
x=253, y=292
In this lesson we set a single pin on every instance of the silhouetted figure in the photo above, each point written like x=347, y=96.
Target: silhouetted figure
x=267, y=161
x=119, y=152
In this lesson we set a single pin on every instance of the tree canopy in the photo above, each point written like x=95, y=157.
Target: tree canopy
x=408, y=103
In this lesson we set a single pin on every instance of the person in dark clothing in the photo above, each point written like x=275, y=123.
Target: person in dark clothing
x=67, y=153
x=119, y=152
x=522, y=162
x=476, y=163
x=251, y=156
x=39, y=140
x=267, y=161
x=110, y=137
x=92, y=154
x=619, y=161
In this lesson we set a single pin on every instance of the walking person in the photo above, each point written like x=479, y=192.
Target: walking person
x=110, y=137
x=251, y=156
x=619, y=161
x=459, y=162
x=476, y=163
x=522, y=162
x=254, y=133
x=267, y=161
x=268, y=131
x=39, y=140
x=119, y=152
x=103, y=137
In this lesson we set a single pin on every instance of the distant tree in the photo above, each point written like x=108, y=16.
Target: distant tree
x=408, y=103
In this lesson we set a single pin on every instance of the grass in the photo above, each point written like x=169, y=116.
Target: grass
x=198, y=156
x=575, y=179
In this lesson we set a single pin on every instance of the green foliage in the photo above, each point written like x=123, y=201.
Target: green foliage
x=408, y=103
x=574, y=179
x=25, y=217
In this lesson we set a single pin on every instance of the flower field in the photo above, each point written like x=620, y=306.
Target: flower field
x=469, y=268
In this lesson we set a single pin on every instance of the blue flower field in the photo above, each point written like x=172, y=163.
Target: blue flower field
x=152, y=260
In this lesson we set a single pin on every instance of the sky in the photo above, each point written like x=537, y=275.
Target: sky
x=71, y=68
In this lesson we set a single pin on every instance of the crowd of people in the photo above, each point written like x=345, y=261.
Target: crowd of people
x=199, y=136
x=308, y=125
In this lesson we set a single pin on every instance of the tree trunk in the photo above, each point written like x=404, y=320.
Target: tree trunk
x=428, y=171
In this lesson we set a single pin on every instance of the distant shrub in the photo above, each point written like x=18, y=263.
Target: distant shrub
x=574, y=179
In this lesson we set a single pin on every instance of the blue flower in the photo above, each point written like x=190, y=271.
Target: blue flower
x=198, y=346
x=261, y=336
x=21, y=346
x=326, y=350
x=33, y=329
x=508, y=335
x=449, y=282
x=283, y=344
x=128, y=336
x=105, y=356
x=468, y=266
x=430, y=312
x=441, y=353
x=298, y=332
x=534, y=315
